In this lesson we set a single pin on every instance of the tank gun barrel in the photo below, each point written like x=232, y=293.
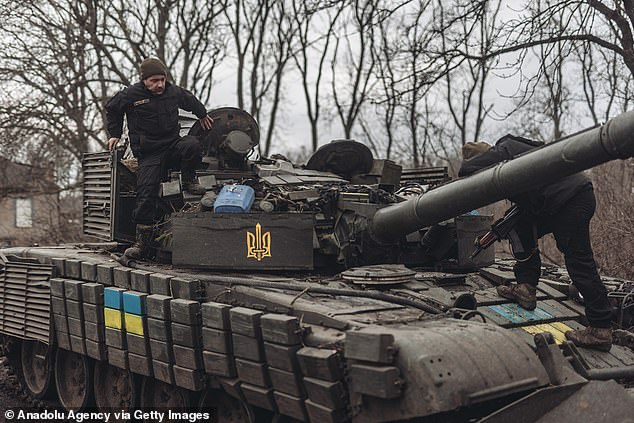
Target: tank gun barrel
x=613, y=140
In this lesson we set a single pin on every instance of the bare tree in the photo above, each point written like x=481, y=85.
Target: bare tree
x=313, y=46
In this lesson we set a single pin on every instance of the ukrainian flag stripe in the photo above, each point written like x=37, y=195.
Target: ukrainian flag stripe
x=557, y=329
x=112, y=318
x=134, y=324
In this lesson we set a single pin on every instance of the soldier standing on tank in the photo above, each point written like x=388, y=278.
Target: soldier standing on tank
x=563, y=208
x=151, y=109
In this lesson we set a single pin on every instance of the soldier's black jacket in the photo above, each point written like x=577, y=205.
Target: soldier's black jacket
x=152, y=118
x=546, y=200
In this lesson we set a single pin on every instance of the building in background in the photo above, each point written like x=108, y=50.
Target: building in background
x=29, y=204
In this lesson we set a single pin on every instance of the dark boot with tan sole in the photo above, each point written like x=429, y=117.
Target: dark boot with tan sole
x=139, y=249
x=523, y=294
x=591, y=337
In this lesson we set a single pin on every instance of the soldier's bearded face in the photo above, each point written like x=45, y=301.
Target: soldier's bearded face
x=155, y=84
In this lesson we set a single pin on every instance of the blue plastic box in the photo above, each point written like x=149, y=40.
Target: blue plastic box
x=234, y=199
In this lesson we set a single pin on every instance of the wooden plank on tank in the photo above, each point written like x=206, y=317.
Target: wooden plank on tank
x=319, y=413
x=92, y=293
x=187, y=336
x=216, y=315
x=140, y=280
x=328, y=394
x=118, y=358
x=158, y=306
x=194, y=380
x=189, y=289
x=105, y=273
x=216, y=340
x=375, y=347
x=72, y=289
x=258, y=396
x=287, y=382
x=77, y=344
x=188, y=358
x=88, y=271
x=247, y=347
x=94, y=313
x=161, y=351
x=140, y=364
x=320, y=363
x=185, y=311
x=219, y=364
x=72, y=269
x=121, y=277
x=281, y=329
x=96, y=350
x=74, y=309
x=246, y=321
x=252, y=372
x=159, y=330
x=376, y=381
x=282, y=356
x=163, y=371
x=160, y=284
x=291, y=406
x=115, y=338
x=138, y=344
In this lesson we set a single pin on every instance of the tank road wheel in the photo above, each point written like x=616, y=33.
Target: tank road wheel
x=37, y=368
x=224, y=408
x=73, y=379
x=115, y=389
x=160, y=395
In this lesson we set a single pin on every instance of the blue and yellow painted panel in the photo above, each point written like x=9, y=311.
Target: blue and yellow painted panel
x=134, y=324
x=557, y=329
x=112, y=318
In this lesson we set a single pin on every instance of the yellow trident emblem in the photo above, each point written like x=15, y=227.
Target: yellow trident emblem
x=258, y=244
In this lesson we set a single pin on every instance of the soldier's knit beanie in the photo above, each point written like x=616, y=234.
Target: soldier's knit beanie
x=152, y=66
x=472, y=149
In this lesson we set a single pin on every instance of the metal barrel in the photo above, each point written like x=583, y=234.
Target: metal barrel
x=536, y=168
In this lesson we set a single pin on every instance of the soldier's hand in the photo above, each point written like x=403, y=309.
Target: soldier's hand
x=112, y=143
x=206, y=122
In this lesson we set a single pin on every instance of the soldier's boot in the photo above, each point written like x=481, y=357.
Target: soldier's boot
x=139, y=249
x=191, y=185
x=523, y=294
x=591, y=337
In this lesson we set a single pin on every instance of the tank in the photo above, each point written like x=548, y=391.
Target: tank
x=341, y=290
